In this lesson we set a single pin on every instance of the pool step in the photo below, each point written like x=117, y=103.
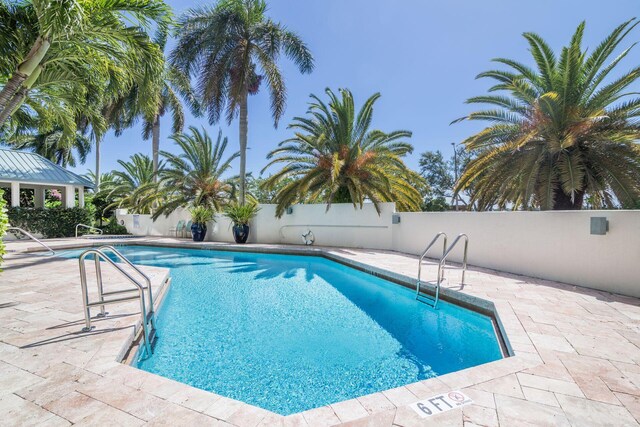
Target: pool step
x=426, y=299
x=153, y=337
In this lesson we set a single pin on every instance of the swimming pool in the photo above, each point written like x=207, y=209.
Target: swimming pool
x=290, y=333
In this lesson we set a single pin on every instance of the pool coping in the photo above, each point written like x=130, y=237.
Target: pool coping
x=543, y=384
x=131, y=348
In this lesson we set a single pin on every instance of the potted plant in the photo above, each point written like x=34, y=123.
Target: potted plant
x=240, y=215
x=200, y=215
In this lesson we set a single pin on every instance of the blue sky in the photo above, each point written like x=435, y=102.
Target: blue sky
x=422, y=56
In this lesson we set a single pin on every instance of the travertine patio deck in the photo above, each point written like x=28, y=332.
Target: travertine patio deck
x=577, y=357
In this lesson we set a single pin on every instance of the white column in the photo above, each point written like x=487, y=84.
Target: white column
x=81, y=197
x=15, y=194
x=38, y=197
x=69, y=196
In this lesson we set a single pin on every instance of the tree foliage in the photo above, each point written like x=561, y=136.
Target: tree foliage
x=562, y=131
x=194, y=176
x=54, y=145
x=440, y=175
x=231, y=49
x=63, y=61
x=133, y=187
x=335, y=156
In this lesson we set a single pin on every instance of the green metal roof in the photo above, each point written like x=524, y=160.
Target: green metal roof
x=32, y=168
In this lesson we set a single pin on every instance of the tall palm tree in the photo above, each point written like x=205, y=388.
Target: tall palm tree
x=172, y=88
x=194, y=176
x=336, y=157
x=133, y=187
x=173, y=84
x=231, y=48
x=563, y=131
x=54, y=146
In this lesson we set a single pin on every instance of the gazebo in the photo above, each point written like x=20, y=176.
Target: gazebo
x=23, y=170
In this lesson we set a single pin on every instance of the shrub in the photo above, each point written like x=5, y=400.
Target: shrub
x=4, y=224
x=50, y=222
x=201, y=214
x=241, y=214
x=99, y=206
x=113, y=228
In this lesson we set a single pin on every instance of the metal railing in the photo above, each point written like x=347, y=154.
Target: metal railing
x=442, y=263
x=424, y=253
x=146, y=278
x=88, y=227
x=99, y=256
x=32, y=237
x=443, y=260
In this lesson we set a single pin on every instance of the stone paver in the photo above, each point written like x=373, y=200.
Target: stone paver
x=576, y=354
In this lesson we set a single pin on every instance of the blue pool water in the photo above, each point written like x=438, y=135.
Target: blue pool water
x=289, y=333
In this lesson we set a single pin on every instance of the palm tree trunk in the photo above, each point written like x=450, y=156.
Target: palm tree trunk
x=9, y=92
x=155, y=145
x=13, y=104
x=19, y=97
x=23, y=71
x=97, y=165
x=243, y=145
x=563, y=201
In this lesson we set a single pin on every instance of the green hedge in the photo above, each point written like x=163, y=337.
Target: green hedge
x=50, y=222
x=4, y=223
x=113, y=228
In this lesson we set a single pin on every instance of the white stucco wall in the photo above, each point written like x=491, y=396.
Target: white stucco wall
x=549, y=245
x=342, y=225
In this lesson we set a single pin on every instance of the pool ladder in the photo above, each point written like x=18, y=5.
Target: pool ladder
x=148, y=320
x=441, y=264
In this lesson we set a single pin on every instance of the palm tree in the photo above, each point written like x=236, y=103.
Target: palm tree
x=169, y=90
x=133, y=187
x=231, y=48
x=73, y=35
x=174, y=83
x=105, y=178
x=54, y=146
x=194, y=176
x=53, y=106
x=563, y=131
x=336, y=157
x=99, y=49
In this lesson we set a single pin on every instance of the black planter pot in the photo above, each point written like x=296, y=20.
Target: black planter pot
x=241, y=233
x=198, y=231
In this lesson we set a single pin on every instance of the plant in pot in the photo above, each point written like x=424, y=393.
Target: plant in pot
x=200, y=215
x=240, y=215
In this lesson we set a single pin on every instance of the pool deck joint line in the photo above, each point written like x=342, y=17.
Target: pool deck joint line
x=576, y=353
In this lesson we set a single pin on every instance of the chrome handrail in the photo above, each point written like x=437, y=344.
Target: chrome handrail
x=87, y=227
x=32, y=237
x=137, y=270
x=443, y=260
x=99, y=255
x=424, y=253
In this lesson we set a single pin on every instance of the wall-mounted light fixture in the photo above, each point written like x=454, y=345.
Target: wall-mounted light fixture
x=289, y=210
x=395, y=219
x=599, y=225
